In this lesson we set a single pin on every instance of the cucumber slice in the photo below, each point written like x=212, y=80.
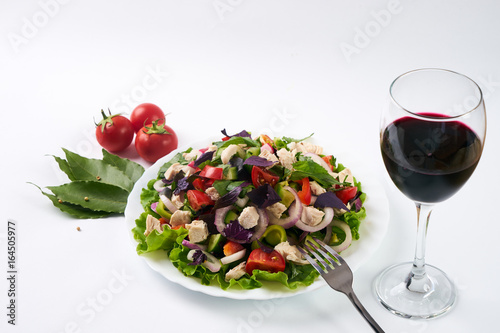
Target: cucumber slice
x=215, y=242
x=286, y=197
x=230, y=216
x=231, y=173
x=252, y=151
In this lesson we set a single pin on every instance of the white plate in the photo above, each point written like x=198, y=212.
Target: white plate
x=372, y=231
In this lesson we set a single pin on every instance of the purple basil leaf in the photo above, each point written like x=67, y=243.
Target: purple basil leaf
x=264, y=196
x=237, y=233
x=182, y=185
x=356, y=201
x=258, y=161
x=198, y=258
x=329, y=199
x=179, y=176
x=206, y=156
x=242, y=134
x=229, y=198
x=357, y=204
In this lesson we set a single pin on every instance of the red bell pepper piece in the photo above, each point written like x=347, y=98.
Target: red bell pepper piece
x=305, y=193
x=212, y=172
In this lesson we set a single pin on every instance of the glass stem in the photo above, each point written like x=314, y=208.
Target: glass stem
x=417, y=280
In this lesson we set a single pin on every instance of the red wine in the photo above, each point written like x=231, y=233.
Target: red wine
x=429, y=161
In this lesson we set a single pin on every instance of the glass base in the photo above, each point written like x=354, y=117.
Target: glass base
x=408, y=296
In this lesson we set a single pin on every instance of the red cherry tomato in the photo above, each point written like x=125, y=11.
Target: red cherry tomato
x=259, y=259
x=144, y=114
x=262, y=176
x=155, y=141
x=114, y=133
x=347, y=193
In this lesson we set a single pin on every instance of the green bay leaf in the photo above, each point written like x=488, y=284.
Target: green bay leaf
x=130, y=168
x=76, y=211
x=65, y=167
x=92, y=195
x=95, y=170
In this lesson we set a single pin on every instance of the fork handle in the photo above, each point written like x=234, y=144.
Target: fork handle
x=361, y=309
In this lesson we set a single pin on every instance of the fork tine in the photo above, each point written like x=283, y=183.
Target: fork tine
x=311, y=261
x=324, y=254
x=331, y=251
x=313, y=251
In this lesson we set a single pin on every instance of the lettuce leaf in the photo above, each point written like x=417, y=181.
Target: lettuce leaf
x=353, y=220
x=149, y=195
x=293, y=277
x=170, y=240
x=156, y=241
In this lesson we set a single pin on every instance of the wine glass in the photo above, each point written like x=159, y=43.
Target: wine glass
x=432, y=135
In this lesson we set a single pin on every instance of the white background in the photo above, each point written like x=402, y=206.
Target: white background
x=284, y=67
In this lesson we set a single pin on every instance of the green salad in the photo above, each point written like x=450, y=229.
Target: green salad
x=233, y=213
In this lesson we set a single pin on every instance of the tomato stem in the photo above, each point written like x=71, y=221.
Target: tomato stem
x=106, y=120
x=156, y=128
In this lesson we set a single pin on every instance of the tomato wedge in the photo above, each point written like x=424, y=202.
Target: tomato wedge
x=231, y=248
x=202, y=184
x=266, y=139
x=262, y=176
x=271, y=262
x=329, y=160
x=347, y=193
x=198, y=199
x=212, y=172
x=305, y=193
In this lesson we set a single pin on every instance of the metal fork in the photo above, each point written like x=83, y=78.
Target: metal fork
x=338, y=275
